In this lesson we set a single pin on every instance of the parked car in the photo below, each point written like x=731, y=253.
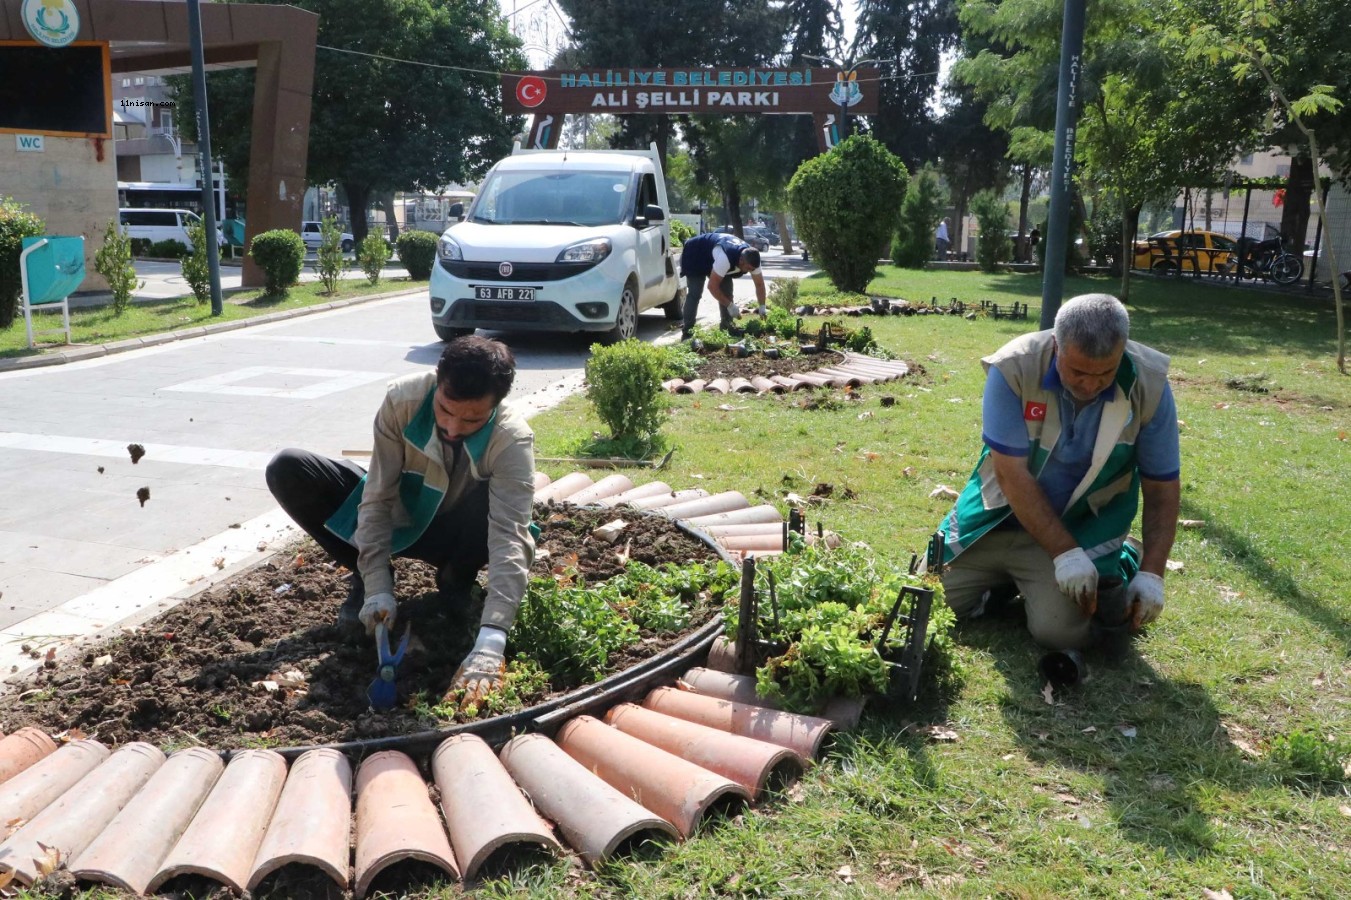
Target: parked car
x=764, y=231
x=1214, y=252
x=312, y=233
x=752, y=237
x=157, y=225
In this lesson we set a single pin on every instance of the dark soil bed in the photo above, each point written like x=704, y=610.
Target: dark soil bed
x=191, y=676
x=720, y=365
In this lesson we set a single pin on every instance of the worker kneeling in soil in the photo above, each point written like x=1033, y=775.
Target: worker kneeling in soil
x=451, y=482
x=1078, y=421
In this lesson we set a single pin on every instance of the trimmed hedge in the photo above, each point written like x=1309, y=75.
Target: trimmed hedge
x=169, y=249
x=417, y=252
x=279, y=253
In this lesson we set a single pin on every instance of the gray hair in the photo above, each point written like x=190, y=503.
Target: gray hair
x=1094, y=324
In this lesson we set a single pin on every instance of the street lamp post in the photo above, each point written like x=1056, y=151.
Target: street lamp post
x=846, y=70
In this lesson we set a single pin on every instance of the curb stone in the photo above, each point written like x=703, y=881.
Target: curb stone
x=92, y=351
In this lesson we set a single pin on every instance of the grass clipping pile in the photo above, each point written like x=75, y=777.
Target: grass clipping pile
x=258, y=662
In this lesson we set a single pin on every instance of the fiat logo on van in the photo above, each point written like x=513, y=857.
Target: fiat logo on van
x=505, y=269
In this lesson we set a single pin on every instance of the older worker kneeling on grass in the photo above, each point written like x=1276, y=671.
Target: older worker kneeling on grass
x=1078, y=422
x=451, y=483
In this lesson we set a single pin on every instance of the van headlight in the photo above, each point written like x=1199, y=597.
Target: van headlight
x=448, y=250
x=592, y=251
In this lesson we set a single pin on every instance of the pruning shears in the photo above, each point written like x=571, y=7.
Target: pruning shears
x=382, y=692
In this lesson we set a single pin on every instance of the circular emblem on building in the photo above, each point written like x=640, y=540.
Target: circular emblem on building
x=531, y=91
x=505, y=269
x=51, y=22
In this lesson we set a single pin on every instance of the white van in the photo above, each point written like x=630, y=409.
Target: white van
x=559, y=240
x=161, y=224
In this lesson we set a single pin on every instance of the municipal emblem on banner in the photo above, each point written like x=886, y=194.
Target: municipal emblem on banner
x=846, y=91
x=51, y=22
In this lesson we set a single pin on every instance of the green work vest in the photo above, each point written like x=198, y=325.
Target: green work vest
x=1105, y=501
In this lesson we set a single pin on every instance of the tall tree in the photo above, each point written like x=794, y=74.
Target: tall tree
x=379, y=124
x=914, y=34
x=1151, y=122
x=1298, y=53
x=971, y=155
x=815, y=27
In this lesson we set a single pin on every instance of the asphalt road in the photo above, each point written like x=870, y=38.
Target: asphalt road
x=79, y=552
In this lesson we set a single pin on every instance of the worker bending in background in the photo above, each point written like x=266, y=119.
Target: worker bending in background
x=718, y=258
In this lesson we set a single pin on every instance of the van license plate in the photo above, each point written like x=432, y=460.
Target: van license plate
x=505, y=293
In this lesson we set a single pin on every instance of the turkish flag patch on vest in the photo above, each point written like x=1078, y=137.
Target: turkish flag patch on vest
x=1034, y=411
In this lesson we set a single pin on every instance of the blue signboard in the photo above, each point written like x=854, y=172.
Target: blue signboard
x=54, y=270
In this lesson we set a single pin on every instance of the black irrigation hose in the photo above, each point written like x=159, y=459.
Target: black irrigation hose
x=548, y=716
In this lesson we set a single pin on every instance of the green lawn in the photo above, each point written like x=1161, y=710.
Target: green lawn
x=99, y=325
x=1032, y=799
x=1159, y=776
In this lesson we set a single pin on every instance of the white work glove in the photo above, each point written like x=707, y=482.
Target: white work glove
x=482, y=670
x=1144, y=598
x=733, y=310
x=1078, y=579
x=378, y=608
x=761, y=310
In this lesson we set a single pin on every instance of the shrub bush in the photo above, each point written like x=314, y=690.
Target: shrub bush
x=280, y=254
x=15, y=225
x=196, y=268
x=913, y=244
x=783, y=293
x=992, y=217
x=1103, y=234
x=846, y=202
x=113, y=262
x=140, y=246
x=680, y=232
x=417, y=252
x=623, y=383
x=168, y=249
x=372, y=256
x=331, y=260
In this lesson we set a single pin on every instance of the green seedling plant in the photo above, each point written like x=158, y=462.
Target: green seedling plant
x=522, y=680
x=1311, y=759
x=831, y=607
x=572, y=629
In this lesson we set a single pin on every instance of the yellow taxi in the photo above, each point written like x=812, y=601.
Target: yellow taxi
x=1186, y=251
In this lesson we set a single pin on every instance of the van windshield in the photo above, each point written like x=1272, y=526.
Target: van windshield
x=553, y=198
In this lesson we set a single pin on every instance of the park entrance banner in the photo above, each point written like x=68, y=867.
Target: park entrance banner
x=824, y=93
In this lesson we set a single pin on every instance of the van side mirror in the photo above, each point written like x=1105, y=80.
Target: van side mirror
x=457, y=211
x=650, y=215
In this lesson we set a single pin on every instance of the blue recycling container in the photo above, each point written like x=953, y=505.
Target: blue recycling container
x=55, y=270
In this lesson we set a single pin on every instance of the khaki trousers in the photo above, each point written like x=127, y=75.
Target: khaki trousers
x=1012, y=556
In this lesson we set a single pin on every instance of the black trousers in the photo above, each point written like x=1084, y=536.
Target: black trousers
x=311, y=488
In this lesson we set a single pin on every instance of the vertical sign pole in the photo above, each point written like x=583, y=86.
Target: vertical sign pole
x=204, y=153
x=1062, y=167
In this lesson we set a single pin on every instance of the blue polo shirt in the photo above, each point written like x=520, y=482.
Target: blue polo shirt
x=1157, y=454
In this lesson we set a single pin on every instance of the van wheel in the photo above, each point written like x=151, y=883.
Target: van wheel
x=626, y=319
x=675, y=307
x=449, y=334
x=346, y=246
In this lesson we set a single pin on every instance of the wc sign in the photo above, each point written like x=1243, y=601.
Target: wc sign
x=30, y=143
